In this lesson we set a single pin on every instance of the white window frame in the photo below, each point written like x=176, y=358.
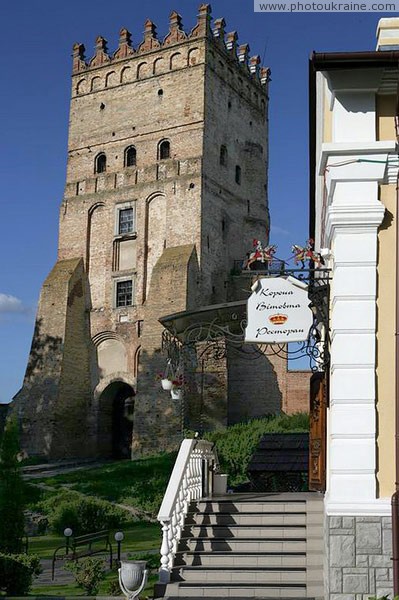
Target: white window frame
x=123, y=206
x=117, y=280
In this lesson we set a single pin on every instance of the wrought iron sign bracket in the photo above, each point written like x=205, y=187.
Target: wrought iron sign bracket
x=217, y=331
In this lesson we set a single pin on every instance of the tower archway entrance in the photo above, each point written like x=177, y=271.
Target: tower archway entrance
x=115, y=420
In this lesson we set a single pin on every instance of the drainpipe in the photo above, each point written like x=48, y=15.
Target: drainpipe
x=395, y=496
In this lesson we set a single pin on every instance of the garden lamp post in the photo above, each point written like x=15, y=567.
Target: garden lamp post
x=119, y=538
x=67, y=532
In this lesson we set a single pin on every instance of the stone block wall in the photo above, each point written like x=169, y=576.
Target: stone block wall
x=53, y=403
x=358, y=557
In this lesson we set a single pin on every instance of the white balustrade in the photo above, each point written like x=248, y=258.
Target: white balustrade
x=185, y=484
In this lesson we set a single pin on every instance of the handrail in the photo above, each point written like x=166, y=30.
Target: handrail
x=191, y=479
x=170, y=497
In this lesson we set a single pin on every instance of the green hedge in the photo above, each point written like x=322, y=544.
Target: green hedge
x=236, y=444
x=82, y=514
x=17, y=572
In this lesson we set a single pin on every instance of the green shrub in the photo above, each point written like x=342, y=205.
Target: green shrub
x=82, y=514
x=32, y=495
x=386, y=597
x=17, y=572
x=12, y=520
x=113, y=588
x=152, y=559
x=236, y=444
x=88, y=573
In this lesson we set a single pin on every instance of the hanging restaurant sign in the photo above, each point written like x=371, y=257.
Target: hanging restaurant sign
x=278, y=311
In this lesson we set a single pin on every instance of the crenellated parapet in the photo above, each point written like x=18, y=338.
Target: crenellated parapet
x=125, y=48
x=214, y=32
x=101, y=56
x=78, y=57
x=176, y=33
x=150, y=41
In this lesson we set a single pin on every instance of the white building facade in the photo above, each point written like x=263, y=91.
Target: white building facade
x=354, y=166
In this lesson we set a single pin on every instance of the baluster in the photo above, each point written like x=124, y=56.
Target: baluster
x=185, y=488
x=173, y=521
x=174, y=534
x=183, y=510
x=195, y=477
x=190, y=478
x=199, y=483
x=164, y=570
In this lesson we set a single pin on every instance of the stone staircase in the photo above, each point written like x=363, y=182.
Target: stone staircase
x=251, y=546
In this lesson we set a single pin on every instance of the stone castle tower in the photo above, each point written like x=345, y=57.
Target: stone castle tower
x=166, y=185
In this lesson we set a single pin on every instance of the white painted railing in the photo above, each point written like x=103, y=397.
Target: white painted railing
x=191, y=479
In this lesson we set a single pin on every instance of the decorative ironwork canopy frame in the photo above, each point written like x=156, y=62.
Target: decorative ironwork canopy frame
x=213, y=331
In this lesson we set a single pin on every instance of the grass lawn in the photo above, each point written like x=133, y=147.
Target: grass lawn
x=74, y=590
x=138, y=538
x=140, y=483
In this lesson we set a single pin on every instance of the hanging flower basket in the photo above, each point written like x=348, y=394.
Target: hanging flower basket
x=170, y=381
x=167, y=377
x=166, y=384
x=176, y=393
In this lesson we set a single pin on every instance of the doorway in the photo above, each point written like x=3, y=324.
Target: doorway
x=116, y=411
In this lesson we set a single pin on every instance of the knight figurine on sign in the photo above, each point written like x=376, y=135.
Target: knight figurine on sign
x=259, y=254
x=306, y=253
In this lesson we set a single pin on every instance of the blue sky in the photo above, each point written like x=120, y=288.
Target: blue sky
x=37, y=38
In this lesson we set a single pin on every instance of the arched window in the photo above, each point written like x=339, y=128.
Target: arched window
x=164, y=150
x=130, y=157
x=238, y=174
x=223, y=155
x=100, y=165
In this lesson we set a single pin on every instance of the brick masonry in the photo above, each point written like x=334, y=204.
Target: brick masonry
x=358, y=554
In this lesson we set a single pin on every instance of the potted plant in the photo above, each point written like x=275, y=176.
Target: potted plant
x=176, y=389
x=166, y=383
x=167, y=377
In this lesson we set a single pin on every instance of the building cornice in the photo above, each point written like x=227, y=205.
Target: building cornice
x=353, y=151
x=352, y=219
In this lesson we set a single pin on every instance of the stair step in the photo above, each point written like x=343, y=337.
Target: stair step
x=224, y=597
x=242, y=545
x=226, y=576
x=241, y=590
x=248, y=531
x=241, y=559
x=250, y=546
x=247, y=518
x=248, y=506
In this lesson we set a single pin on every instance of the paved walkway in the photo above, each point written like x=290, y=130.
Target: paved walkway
x=51, y=469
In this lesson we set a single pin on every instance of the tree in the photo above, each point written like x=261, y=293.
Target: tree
x=12, y=520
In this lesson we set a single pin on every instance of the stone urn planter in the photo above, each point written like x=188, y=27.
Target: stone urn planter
x=132, y=577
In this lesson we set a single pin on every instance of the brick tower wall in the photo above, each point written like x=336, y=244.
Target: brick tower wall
x=193, y=215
